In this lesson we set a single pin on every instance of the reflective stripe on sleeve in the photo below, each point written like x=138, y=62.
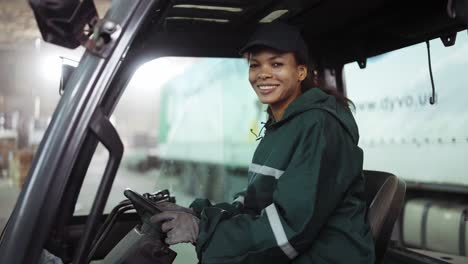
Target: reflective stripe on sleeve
x=265, y=170
x=279, y=233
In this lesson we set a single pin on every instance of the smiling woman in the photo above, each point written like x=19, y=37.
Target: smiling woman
x=304, y=196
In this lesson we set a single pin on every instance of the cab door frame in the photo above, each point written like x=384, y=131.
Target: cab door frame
x=50, y=176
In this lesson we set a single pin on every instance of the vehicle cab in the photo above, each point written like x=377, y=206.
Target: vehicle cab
x=160, y=100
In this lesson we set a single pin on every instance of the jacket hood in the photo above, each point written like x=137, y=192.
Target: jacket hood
x=315, y=98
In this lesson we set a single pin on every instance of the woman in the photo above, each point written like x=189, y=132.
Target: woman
x=304, y=200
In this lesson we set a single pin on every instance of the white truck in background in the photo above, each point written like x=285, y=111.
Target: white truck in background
x=216, y=91
x=398, y=126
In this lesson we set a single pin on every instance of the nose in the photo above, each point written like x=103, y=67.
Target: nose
x=264, y=74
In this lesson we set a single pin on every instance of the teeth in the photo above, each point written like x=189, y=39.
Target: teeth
x=266, y=87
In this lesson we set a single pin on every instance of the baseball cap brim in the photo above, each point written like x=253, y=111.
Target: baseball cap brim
x=262, y=43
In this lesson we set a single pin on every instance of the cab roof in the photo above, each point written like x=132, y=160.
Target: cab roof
x=337, y=31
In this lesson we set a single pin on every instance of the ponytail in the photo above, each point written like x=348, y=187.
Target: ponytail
x=316, y=80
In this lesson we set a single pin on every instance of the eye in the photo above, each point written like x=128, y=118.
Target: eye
x=277, y=64
x=253, y=65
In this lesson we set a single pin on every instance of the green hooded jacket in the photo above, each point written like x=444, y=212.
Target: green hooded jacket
x=304, y=200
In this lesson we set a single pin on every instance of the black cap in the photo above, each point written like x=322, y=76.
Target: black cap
x=279, y=36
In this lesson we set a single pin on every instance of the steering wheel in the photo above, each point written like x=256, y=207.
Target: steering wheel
x=142, y=204
x=144, y=244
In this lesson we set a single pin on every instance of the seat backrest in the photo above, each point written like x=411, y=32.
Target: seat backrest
x=385, y=196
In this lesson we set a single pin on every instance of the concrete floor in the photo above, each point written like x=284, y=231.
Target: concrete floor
x=9, y=192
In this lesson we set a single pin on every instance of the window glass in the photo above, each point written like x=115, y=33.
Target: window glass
x=29, y=93
x=401, y=132
x=186, y=123
x=186, y=126
x=91, y=181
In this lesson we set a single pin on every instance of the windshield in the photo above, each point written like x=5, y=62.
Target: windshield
x=188, y=125
x=401, y=132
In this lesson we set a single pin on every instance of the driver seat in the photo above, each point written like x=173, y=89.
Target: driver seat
x=385, y=196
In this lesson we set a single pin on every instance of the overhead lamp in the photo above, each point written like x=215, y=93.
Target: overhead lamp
x=216, y=20
x=273, y=16
x=51, y=67
x=208, y=7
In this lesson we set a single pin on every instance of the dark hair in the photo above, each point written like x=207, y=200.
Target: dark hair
x=315, y=79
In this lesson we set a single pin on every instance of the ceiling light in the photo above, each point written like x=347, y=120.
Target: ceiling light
x=273, y=15
x=37, y=43
x=207, y=7
x=51, y=67
x=199, y=19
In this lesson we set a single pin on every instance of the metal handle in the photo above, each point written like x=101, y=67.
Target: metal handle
x=103, y=129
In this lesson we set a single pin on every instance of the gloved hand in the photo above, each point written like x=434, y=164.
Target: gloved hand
x=179, y=223
x=168, y=206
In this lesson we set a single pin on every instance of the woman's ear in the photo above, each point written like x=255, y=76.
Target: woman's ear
x=302, y=70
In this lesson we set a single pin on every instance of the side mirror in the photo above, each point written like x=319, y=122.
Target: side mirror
x=68, y=67
x=64, y=22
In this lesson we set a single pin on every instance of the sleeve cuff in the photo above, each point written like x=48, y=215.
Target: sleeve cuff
x=199, y=204
x=210, y=218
